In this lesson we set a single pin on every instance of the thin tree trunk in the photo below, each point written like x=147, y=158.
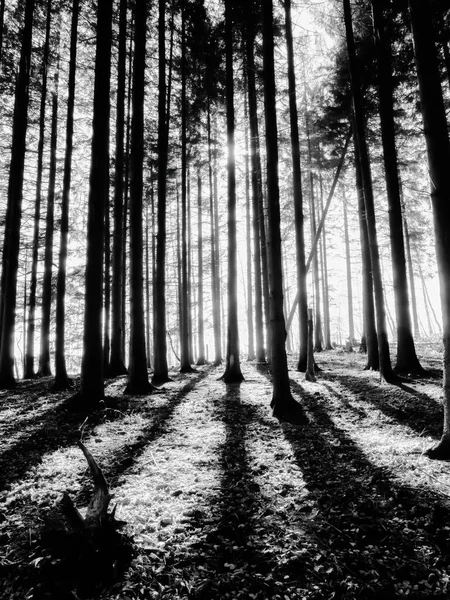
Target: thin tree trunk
x=201, y=325
x=324, y=267
x=107, y=291
x=29, y=354
x=161, y=371
x=11, y=241
x=407, y=361
x=185, y=366
x=215, y=282
x=61, y=379
x=298, y=198
x=256, y=181
x=44, y=355
x=386, y=372
x=92, y=383
x=283, y=404
x=251, y=347
x=348, y=263
x=116, y=364
x=412, y=284
x=233, y=372
x=315, y=261
x=370, y=332
x=138, y=382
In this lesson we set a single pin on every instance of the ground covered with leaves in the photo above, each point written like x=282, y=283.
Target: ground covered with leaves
x=221, y=500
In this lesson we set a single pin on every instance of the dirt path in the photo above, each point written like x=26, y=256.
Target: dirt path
x=223, y=501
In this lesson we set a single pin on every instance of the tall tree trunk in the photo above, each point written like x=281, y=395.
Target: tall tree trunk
x=283, y=404
x=185, y=366
x=149, y=266
x=324, y=269
x=160, y=368
x=11, y=242
x=201, y=324
x=386, y=372
x=438, y=151
x=407, y=361
x=92, y=382
x=315, y=261
x=412, y=284
x=138, y=382
x=44, y=355
x=348, y=263
x=370, y=332
x=215, y=281
x=61, y=379
x=116, y=363
x=29, y=354
x=107, y=291
x=250, y=330
x=298, y=197
x=256, y=179
x=233, y=372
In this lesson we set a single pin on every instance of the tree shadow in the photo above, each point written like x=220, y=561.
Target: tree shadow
x=377, y=538
x=401, y=402
x=228, y=561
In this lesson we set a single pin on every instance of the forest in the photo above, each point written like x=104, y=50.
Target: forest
x=224, y=299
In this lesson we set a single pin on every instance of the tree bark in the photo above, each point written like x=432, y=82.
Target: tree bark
x=298, y=197
x=407, y=361
x=44, y=355
x=201, y=324
x=438, y=152
x=138, y=382
x=233, y=372
x=283, y=404
x=250, y=329
x=92, y=382
x=31, y=327
x=386, y=372
x=11, y=242
x=348, y=263
x=215, y=281
x=61, y=379
x=116, y=363
x=256, y=178
x=160, y=368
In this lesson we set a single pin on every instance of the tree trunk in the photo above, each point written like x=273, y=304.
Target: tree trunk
x=61, y=379
x=370, y=331
x=29, y=353
x=256, y=180
x=407, y=361
x=185, y=366
x=315, y=260
x=233, y=372
x=44, y=356
x=116, y=363
x=250, y=330
x=283, y=404
x=438, y=151
x=386, y=372
x=298, y=197
x=160, y=368
x=11, y=242
x=138, y=382
x=215, y=281
x=324, y=269
x=92, y=383
x=412, y=284
x=309, y=374
x=348, y=262
x=201, y=325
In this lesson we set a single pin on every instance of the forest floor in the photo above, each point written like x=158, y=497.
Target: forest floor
x=221, y=500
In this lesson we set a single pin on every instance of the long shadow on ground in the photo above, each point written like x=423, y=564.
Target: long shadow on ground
x=228, y=561
x=377, y=538
x=402, y=403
